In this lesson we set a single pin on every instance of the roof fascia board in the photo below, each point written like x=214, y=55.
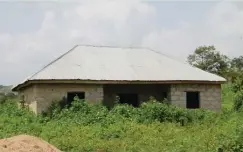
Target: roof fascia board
x=26, y=83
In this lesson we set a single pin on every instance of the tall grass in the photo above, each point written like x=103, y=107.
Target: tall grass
x=152, y=127
x=227, y=96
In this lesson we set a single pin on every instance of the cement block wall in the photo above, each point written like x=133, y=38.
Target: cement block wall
x=210, y=95
x=27, y=95
x=39, y=97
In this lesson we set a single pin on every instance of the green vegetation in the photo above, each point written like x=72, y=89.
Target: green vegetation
x=209, y=59
x=152, y=127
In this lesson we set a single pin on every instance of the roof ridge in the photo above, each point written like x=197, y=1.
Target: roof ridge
x=114, y=46
x=53, y=61
x=132, y=47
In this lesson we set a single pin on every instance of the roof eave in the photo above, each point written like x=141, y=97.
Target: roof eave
x=28, y=82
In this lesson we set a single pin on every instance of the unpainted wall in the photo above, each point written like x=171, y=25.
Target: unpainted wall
x=39, y=97
x=144, y=91
x=210, y=95
x=27, y=95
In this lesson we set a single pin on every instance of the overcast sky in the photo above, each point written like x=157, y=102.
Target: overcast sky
x=34, y=33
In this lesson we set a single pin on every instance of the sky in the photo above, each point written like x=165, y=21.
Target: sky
x=34, y=33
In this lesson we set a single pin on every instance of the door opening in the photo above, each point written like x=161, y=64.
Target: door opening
x=71, y=95
x=129, y=98
x=192, y=100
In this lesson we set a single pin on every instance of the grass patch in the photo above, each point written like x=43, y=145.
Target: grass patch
x=152, y=127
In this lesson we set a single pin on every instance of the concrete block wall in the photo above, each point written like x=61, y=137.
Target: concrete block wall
x=27, y=95
x=210, y=95
x=40, y=96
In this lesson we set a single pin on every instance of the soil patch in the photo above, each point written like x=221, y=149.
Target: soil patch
x=26, y=143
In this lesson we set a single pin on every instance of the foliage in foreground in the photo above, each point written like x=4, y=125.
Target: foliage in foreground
x=148, y=112
x=152, y=127
x=238, y=102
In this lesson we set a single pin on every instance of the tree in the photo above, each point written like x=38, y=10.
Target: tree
x=236, y=69
x=208, y=59
x=237, y=64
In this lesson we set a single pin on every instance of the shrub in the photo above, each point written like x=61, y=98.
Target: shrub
x=238, y=102
x=80, y=111
x=3, y=98
x=233, y=143
x=237, y=85
x=153, y=111
x=163, y=112
x=84, y=113
x=124, y=110
x=88, y=127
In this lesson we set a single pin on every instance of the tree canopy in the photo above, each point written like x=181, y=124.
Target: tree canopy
x=237, y=63
x=208, y=59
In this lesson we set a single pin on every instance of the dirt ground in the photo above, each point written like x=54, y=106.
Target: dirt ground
x=26, y=143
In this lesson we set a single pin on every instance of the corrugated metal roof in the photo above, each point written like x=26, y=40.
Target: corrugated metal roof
x=123, y=64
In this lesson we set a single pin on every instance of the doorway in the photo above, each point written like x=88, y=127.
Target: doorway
x=71, y=95
x=129, y=98
x=192, y=100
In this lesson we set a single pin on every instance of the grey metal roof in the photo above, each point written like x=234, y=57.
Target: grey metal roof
x=85, y=62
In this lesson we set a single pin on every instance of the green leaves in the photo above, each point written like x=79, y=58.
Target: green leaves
x=208, y=59
x=238, y=102
x=154, y=126
x=237, y=85
x=237, y=63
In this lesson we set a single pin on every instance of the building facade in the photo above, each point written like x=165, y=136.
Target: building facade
x=39, y=97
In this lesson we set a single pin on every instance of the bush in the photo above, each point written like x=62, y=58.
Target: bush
x=154, y=126
x=82, y=112
x=238, y=102
x=153, y=111
x=233, y=143
x=162, y=112
x=237, y=85
x=3, y=98
x=124, y=110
